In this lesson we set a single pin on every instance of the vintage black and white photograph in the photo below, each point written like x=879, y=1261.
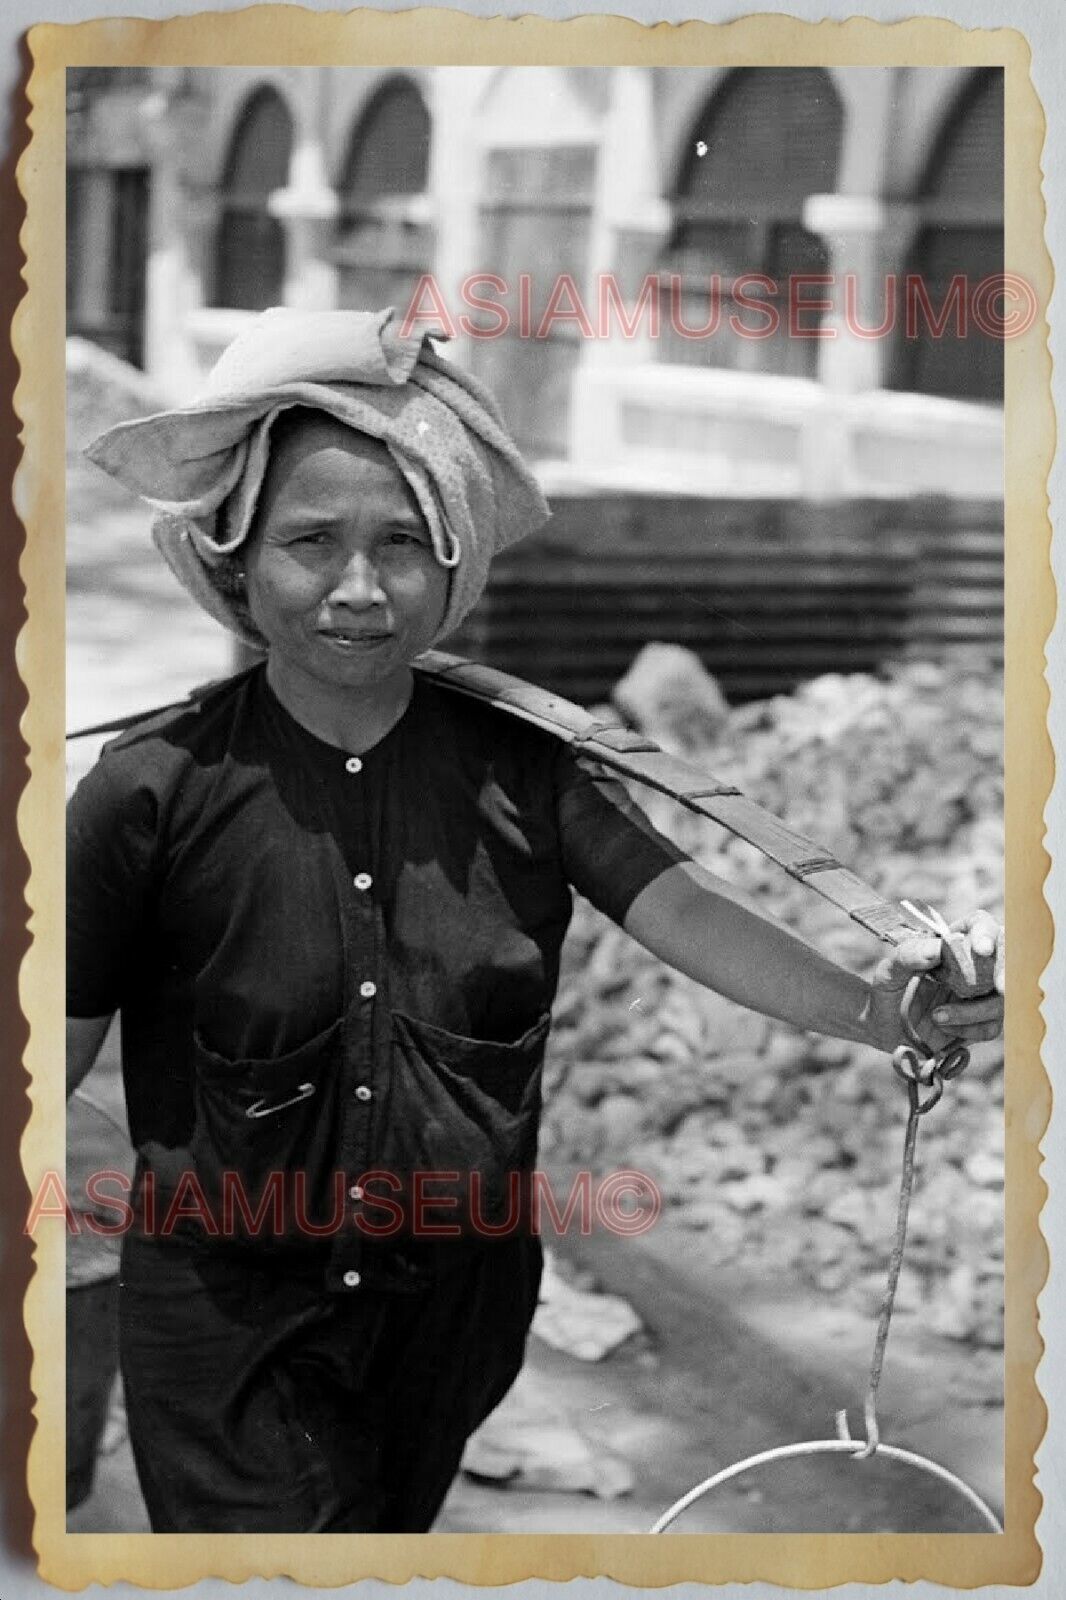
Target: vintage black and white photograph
x=535, y=893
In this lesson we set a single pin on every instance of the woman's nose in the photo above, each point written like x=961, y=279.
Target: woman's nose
x=358, y=583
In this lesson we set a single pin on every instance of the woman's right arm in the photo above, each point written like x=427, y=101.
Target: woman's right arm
x=85, y=1035
x=111, y=842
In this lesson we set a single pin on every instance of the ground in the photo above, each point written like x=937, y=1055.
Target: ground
x=731, y=1364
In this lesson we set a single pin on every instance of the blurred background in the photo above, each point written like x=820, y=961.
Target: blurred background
x=781, y=554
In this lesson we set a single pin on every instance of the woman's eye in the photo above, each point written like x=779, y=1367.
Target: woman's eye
x=401, y=536
x=314, y=536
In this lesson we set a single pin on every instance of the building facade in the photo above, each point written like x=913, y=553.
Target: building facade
x=690, y=289
x=707, y=275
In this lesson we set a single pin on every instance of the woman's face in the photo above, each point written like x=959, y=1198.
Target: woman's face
x=342, y=581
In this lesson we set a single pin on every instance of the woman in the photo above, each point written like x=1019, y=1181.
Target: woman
x=328, y=902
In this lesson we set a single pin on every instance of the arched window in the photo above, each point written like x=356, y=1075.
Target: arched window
x=107, y=218
x=765, y=140
x=382, y=247
x=960, y=205
x=250, y=248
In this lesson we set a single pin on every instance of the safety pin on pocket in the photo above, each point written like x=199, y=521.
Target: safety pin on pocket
x=303, y=1093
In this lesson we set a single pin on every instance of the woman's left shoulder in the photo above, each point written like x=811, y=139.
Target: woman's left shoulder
x=487, y=722
x=497, y=750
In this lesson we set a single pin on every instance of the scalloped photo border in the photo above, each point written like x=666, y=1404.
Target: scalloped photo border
x=294, y=36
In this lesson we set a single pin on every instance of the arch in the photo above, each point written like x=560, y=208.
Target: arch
x=959, y=203
x=969, y=146
x=769, y=131
x=382, y=243
x=762, y=141
x=388, y=151
x=250, y=244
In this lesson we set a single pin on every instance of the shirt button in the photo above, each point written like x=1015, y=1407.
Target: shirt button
x=351, y=1280
x=362, y=880
x=368, y=989
x=356, y=1192
x=353, y=764
x=362, y=1093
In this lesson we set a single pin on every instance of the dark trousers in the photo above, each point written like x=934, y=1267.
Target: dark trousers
x=260, y=1402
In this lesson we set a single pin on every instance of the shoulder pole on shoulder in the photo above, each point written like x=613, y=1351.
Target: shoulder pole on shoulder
x=641, y=759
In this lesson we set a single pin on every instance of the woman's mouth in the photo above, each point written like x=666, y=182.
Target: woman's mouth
x=342, y=640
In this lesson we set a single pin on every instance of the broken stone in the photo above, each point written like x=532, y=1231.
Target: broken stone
x=583, y=1324
x=738, y=1161
x=621, y=1118
x=531, y=1442
x=858, y=1210
x=985, y=1169
x=856, y=762
x=952, y=1311
x=669, y=695
x=760, y=1192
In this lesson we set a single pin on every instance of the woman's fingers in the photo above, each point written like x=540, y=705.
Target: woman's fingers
x=971, y=957
x=972, y=1021
x=961, y=1013
x=966, y=1002
x=936, y=1039
x=982, y=928
x=918, y=954
x=976, y=962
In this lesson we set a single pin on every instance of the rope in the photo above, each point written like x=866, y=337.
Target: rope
x=917, y=1074
x=917, y=1071
x=888, y=1301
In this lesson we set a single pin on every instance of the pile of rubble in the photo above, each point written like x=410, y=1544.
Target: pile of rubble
x=780, y=1149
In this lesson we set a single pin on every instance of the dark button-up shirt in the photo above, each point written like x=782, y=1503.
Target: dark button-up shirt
x=331, y=965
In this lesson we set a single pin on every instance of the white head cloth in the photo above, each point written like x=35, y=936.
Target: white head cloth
x=201, y=466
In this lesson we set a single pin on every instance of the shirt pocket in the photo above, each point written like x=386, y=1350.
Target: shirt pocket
x=269, y=1122
x=466, y=1106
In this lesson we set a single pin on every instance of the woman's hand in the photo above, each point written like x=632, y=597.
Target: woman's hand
x=970, y=964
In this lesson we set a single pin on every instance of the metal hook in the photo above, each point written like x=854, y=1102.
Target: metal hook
x=873, y=1431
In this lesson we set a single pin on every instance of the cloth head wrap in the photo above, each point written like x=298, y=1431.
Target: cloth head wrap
x=202, y=466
